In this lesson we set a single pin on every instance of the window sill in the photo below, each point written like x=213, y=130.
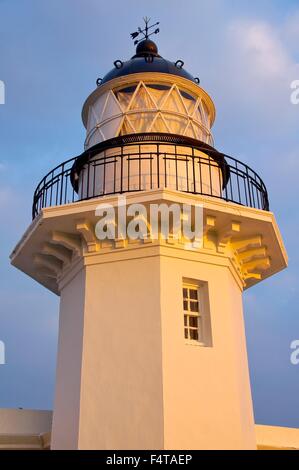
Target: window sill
x=194, y=343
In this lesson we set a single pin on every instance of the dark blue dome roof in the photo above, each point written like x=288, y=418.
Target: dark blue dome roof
x=147, y=59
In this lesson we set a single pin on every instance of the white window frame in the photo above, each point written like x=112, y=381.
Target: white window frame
x=202, y=314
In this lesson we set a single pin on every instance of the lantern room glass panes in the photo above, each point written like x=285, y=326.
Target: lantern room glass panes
x=148, y=107
x=124, y=96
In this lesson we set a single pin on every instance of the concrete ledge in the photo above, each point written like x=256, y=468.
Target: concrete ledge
x=25, y=441
x=276, y=438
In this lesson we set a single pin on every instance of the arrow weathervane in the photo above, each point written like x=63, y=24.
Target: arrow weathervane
x=145, y=32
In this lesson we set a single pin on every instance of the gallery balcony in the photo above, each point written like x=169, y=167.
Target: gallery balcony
x=140, y=162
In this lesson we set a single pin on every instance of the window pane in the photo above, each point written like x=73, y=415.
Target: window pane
x=200, y=329
x=194, y=334
x=193, y=322
x=158, y=87
x=193, y=294
x=186, y=95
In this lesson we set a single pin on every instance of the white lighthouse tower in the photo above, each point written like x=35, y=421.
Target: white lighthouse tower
x=152, y=350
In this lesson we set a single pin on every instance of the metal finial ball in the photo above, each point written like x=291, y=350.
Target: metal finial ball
x=146, y=47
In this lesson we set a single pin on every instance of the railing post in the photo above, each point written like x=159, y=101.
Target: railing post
x=158, y=165
x=194, y=174
x=61, y=183
x=249, y=189
x=121, y=168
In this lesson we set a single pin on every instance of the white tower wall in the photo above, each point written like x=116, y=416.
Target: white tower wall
x=127, y=378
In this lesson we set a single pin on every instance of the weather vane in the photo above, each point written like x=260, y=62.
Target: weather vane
x=146, y=33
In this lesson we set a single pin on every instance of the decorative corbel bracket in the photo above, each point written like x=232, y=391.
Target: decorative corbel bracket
x=87, y=231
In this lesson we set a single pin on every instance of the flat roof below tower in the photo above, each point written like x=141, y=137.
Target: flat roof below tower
x=31, y=429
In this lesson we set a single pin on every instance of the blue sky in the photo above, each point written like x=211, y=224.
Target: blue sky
x=246, y=55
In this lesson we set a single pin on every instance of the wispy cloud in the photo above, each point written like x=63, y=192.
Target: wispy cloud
x=259, y=68
x=262, y=49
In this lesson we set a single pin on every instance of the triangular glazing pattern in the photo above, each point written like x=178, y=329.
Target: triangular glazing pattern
x=159, y=124
x=189, y=131
x=93, y=119
x=142, y=99
x=177, y=124
x=205, y=113
x=127, y=127
x=158, y=93
x=148, y=108
x=189, y=102
x=111, y=128
x=141, y=121
x=174, y=102
x=111, y=108
x=124, y=96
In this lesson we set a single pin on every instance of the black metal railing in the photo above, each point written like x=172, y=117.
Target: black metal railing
x=150, y=161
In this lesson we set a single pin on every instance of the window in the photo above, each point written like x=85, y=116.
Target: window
x=192, y=315
x=197, y=328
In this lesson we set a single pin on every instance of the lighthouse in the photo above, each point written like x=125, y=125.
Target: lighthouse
x=151, y=349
